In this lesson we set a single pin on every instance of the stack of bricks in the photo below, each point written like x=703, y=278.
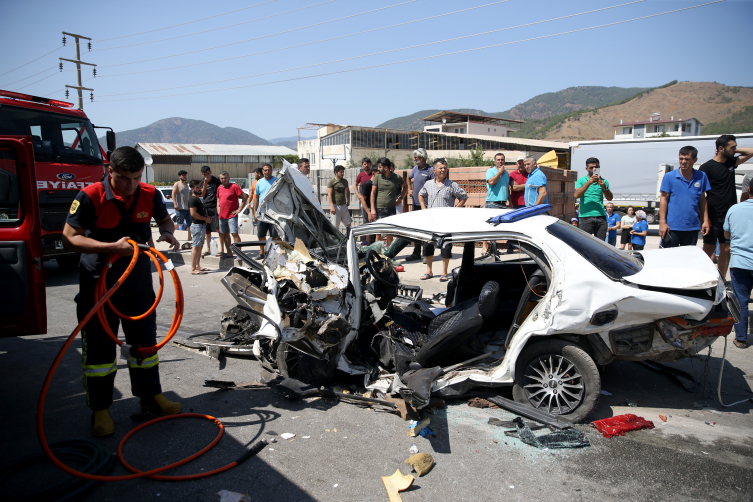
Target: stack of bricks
x=560, y=187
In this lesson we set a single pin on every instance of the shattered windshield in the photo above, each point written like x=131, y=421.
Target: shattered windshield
x=613, y=263
x=56, y=137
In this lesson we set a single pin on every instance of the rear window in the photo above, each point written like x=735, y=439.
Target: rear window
x=613, y=263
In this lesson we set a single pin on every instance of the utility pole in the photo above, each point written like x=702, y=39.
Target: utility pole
x=78, y=62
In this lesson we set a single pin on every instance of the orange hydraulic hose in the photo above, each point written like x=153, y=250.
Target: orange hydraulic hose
x=104, y=298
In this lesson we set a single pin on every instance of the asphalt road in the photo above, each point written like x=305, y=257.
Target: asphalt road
x=695, y=455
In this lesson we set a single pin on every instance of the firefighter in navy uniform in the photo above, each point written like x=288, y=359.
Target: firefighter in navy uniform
x=100, y=221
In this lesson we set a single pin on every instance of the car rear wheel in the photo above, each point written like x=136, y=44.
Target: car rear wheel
x=558, y=377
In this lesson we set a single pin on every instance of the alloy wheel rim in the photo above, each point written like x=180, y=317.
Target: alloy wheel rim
x=553, y=383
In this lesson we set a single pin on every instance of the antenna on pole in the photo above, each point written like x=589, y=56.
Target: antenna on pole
x=78, y=62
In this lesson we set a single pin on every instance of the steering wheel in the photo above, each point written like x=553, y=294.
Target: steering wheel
x=386, y=275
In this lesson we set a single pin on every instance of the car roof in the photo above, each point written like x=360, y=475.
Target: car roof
x=451, y=220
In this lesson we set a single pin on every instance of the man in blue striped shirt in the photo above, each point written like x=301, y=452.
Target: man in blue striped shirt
x=440, y=192
x=535, y=184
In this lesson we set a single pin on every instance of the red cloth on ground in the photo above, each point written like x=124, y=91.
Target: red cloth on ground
x=621, y=424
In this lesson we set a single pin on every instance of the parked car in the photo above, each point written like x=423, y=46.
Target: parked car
x=167, y=192
x=540, y=320
x=170, y=205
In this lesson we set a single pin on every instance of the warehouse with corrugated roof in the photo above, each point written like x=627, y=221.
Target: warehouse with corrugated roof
x=238, y=160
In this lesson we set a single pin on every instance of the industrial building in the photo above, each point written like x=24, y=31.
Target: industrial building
x=338, y=144
x=467, y=123
x=238, y=160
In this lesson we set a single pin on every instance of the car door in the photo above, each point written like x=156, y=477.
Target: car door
x=23, y=303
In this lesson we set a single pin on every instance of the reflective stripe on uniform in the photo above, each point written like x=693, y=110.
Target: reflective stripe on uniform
x=100, y=370
x=148, y=362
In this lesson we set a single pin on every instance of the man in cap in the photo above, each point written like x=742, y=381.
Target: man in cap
x=419, y=175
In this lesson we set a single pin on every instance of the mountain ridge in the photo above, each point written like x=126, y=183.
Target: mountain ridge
x=182, y=130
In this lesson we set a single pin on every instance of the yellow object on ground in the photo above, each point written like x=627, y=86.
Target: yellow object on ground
x=397, y=483
x=421, y=462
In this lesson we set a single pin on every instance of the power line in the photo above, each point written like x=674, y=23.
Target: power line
x=379, y=53
x=421, y=58
x=258, y=38
x=187, y=22
x=45, y=78
x=40, y=57
x=307, y=43
x=26, y=78
x=222, y=27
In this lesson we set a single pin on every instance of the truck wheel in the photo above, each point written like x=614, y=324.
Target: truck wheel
x=68, y=262
x=558, y=377
x=650, y=218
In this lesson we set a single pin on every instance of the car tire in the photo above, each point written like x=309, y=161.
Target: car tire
x=292, y=363
x=68, y=262
x=539, y=356
x=650, y=218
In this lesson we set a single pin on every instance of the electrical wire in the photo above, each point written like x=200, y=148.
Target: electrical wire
x=256, y=38
x=382, y=65
x=5, y=86
x=222, y=27
x=45, y=78
x=372, y=30
x=183, y=24
x=37, y=59
x=396, y=50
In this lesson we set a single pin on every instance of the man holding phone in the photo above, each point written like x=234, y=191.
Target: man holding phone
x=592, y=189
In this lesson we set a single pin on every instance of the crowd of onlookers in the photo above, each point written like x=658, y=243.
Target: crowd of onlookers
x=692, y=201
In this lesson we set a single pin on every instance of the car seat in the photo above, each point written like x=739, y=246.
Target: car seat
x=454, y=326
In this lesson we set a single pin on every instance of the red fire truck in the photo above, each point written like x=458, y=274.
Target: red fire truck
x=67, y=155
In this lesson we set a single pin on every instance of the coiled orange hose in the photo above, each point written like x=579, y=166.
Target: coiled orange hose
x=103, y=297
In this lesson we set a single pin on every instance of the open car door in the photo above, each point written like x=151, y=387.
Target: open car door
x=23, y=303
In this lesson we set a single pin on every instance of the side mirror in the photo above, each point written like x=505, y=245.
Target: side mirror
x=111, y=145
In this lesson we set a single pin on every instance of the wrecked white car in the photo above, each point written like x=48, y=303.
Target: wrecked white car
x=540, y=320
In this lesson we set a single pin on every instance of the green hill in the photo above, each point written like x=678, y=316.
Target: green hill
x=738, y=122
x=180, y=130
x=568, y=100
x=539, y=107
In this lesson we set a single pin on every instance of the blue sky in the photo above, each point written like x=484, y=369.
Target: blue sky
x=703, y=44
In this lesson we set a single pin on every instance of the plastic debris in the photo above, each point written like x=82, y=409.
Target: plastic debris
x=306, y=437
x=397, y=483
x=605, y=393
x=568, y=438
x=420, y=428
x=621, y=424
x=228, y=496
x=287, y=435
x=273, y=440
x=421, y=462
x=335, y=486
x=413, y=448
x=663, y=417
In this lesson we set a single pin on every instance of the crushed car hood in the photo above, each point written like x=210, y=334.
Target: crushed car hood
x=677, y=268
x=292, y=206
